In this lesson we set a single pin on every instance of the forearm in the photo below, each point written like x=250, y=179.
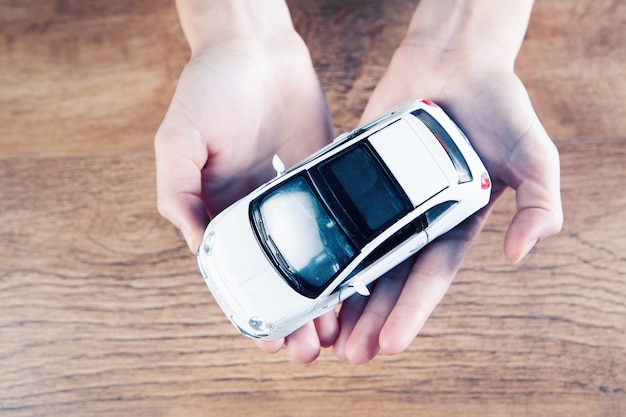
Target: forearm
x=208, y=21
x=488, y=28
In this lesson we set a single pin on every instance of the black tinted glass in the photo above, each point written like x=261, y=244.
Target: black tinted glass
x=368, y=195
x=453, y=151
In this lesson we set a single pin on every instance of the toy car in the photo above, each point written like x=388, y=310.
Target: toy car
x=323, y=230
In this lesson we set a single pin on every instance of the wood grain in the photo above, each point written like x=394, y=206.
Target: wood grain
x=103, y=311
x=80, y=77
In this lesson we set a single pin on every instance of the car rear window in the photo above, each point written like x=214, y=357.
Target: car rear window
x=458, y=160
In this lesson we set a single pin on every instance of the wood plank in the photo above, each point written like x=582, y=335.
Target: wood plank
x=85, y=77
x=81, y=77
x=103, y=312
x=572, y=63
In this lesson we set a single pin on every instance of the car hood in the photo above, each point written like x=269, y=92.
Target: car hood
x=244, y=274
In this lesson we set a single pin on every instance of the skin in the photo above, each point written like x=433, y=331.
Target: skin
x=460, y=54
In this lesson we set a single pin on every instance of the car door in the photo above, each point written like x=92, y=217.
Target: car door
x=402, y=244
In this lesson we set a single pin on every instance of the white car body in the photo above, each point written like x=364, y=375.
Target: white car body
x=305, y=241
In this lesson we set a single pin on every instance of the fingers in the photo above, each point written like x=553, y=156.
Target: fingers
x=426, y=285
x=363, y=318
x=271, y=346
x=537, y=193
x=530, y=225
x=187, y=212
x=304, y=345
x=349, y=315
x=401, y=303
x=327, y=328
x=179, y=184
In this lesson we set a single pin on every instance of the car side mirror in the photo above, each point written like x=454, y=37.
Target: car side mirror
x=360, y=287
x=278, y=165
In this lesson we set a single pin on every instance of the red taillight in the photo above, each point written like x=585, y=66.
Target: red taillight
x=485, y=181
x=427, y=102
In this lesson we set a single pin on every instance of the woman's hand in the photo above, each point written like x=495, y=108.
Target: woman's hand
x=476, y=85
x=248, y=92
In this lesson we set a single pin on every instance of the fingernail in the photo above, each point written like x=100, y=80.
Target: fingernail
x=527, y=249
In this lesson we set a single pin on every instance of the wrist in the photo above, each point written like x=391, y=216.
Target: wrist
x=205, y=22
x=477, y=30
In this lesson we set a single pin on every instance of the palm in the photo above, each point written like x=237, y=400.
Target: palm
x=495, y=112
x=236, y=105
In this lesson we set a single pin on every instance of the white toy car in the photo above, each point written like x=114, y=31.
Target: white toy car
x=305, y=241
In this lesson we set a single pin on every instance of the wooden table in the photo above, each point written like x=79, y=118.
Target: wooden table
x=103, y=311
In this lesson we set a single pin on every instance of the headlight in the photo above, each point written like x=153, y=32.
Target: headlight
x=208, y=242
x=261, y=325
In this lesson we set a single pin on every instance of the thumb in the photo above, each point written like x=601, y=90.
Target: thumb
x=186, y=212
x=179, y=185
x=538, y=197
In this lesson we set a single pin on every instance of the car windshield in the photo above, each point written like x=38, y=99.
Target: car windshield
x=301, y=236
x=312, y=225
